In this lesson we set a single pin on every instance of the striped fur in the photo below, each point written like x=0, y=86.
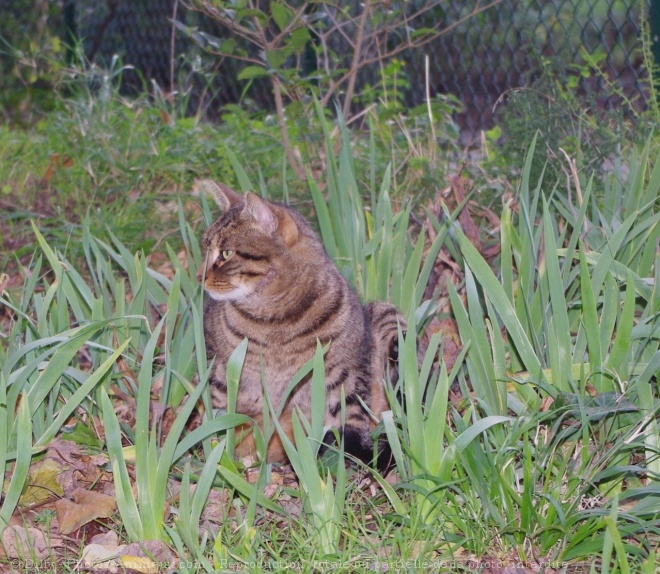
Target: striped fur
x=268, y=278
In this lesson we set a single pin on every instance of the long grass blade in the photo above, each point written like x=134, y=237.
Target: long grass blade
x=494, y=291
x=126, y=504
x=562, y=377
x=22, y=464
x=74, y=401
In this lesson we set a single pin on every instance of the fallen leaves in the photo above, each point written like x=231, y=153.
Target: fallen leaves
x=20, y=542
x=58, y=500
x=56, y=163
x=42, y=484
x=148, y=557
x=95, y=556
x=77, y=468
x=86, y=506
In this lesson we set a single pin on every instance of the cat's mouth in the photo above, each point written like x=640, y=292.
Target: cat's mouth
x=231, y=292
x=235, y=294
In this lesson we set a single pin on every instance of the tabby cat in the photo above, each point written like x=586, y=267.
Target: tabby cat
x=268, y=278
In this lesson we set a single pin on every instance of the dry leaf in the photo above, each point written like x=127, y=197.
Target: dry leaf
x=42, y=483
x=546, y=403
x=166, y=270
x=70, y=516
x=137, y=556
x=85, y=507
x=56, y=163
x=107, y=539
x=78, y=467
x=24, y=543
x=591, y=390
x=139, y=563
x=393, y=478
x=95, y=556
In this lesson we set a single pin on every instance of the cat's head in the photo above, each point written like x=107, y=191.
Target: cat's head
x=246, y=248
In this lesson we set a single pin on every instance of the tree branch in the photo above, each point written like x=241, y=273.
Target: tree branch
x=291, y=158
x=357, y=54
x=334, y=86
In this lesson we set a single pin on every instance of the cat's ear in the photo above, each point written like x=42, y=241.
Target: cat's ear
x=224, y=196
x=271, y=218
x=261, y=213
x=288, y=228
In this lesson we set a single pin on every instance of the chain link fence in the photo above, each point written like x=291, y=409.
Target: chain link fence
x=479, y=60
x=510, y=46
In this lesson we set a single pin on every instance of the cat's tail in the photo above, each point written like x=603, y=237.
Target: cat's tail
x=384, y=320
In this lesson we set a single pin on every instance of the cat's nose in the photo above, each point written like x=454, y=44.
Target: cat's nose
x=200, y=273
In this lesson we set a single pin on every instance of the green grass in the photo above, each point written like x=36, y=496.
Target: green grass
x=547, y=453
x=112, y=161
x=117, y=162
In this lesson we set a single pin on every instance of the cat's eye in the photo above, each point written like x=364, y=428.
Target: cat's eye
x=226, y=254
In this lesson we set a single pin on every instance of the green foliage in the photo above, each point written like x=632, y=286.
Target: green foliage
x=32, y=57
x=290, y=42
x=111, y=162
x=566, y=117
x=114, y=162
x=372, y=248
x=324, y=500
x=570, y=313
x=299, y=52
x=574, y=95
x=570, y=309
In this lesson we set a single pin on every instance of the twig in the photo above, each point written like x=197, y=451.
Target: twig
x=434, y=33
x=357, y=54
x=100, y=31
x=428, y=96
x=578, y=189
x=281, y=120
x=172, y=42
